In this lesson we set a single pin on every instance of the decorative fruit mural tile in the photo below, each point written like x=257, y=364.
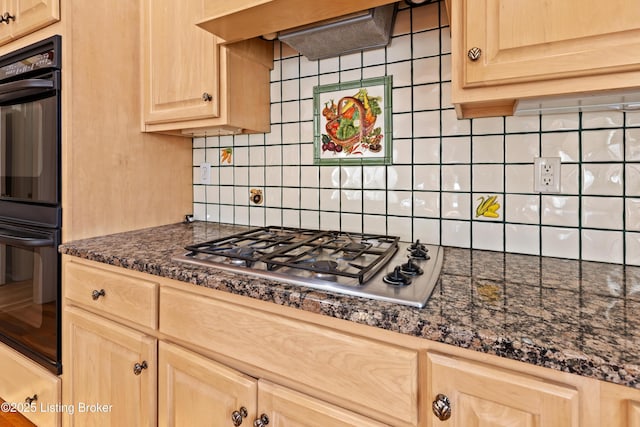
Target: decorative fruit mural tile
x=353, y=122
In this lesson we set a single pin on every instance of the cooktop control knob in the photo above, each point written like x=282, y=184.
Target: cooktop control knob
x=397, y=278
x=411, y=268
x=417, y=245
x=420, y=254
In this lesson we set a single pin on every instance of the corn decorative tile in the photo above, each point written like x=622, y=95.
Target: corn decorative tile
x=488, y=207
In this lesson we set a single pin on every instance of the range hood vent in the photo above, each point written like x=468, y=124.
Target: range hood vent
x=364, y=30
x=628, y=100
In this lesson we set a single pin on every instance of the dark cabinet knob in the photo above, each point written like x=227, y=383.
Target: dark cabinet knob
x=441, y=407
x=238, y=416
x=474, y=53
x=6, y=17
x=262, y=421
x=97, y=294
x=139, y=367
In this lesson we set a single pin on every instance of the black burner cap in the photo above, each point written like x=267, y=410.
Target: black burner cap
x=397, y=278
x=325, y=265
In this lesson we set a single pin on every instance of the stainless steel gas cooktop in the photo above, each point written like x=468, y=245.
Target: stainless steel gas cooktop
x=364, y=265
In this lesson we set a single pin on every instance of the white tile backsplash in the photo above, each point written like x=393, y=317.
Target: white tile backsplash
x=632, y=214
x=487, y=178
x=523, y=239
x=632, y=245
x=561, y=210
x=602, y=179
x=488, y=149
x=488, y=236
x=441, y=165
x=601, y=245
x=456, y=205
x=456, y=150
x=522, y=208
x=602, y=212
x=456, y=178
x=425, y=70
x=456, y=233
x=560, y=242
x=426, y=97
x=602, y=145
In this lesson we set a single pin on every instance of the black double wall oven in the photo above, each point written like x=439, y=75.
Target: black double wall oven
x=30, y=201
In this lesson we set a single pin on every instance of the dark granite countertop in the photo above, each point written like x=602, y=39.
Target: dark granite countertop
x=577, y=317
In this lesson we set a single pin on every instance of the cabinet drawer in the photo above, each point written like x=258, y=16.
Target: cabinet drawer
x=367, y=376
x=125, y=296
x=20, y=379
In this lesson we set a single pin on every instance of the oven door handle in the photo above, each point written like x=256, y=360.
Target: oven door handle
x=25, y=239
x=22, y=88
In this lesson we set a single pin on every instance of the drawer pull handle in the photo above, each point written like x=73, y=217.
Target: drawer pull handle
x=474, y=53
x=238, y=416
x=262, y=421
x=206, y=97
x=30, y=400
x=97, y=294
x=138, y=367
x=441, y=407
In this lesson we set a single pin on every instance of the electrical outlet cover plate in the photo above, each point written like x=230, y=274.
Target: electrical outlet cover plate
x=205, y=173
x=547, y=174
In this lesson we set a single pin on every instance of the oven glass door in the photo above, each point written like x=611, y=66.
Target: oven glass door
x=29, y=140
x=29, y=277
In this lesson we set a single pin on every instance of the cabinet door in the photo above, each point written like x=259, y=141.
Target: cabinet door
x=22, y=379
x=480, y=395
x=195, y=391
x=634, y=414
x=32, y=15
x=364, y=375
x=523, y=40
x=100, y=357
x=619, y=405
x=180, y=63
x=287, y=408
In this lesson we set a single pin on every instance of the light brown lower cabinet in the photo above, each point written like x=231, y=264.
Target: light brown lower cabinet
x=28, y=388
x=109, y=373
x=619, y=406
x=197, y=391
x=633, y=413
x=209, y=358
x=473, y=394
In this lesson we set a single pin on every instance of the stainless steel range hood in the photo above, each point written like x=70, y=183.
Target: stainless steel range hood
x=364, y=30
x=628, y=100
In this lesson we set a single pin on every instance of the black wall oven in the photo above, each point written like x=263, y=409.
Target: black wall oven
x=30, y=203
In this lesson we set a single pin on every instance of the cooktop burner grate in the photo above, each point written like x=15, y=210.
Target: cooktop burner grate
x=350, y=255
x=355, y=264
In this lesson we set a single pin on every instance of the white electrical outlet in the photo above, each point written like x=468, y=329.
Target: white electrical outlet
x=205, y=173
x=546, y=177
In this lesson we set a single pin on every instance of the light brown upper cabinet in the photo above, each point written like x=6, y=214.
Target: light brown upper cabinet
x=22, y=17
x=192, y=85
x=245, y=19
x=505, y=50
